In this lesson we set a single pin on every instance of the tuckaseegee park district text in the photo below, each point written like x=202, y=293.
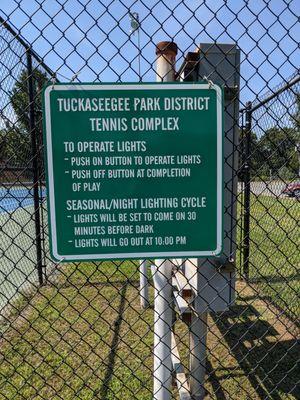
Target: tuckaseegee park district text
x=121, y=104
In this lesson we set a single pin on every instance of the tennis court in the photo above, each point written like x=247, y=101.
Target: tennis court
x=13, y=197
x=17, y=236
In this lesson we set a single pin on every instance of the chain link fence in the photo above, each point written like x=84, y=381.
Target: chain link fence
x=272, y=198
x=22, y=171
x=88, y=330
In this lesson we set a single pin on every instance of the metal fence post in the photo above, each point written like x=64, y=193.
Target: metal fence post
x=198, y=349
x=144, y=285
x=162, y=270
x=34, y=148
x=247, y=165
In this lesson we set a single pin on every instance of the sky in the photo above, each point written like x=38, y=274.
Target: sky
x=92, y=38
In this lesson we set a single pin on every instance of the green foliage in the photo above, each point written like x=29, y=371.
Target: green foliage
x=20, y=101
x=275, y=153
x=278, y=148
x=15, y=147
x=15, y=139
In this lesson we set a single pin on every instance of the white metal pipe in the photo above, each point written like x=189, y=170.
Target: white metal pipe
x=165, y=62
x=162, y=368
x=180, y=376
x=198, y=336
x=162, y=270
x=144, y=286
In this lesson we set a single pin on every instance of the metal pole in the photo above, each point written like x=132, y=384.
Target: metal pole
x=162, y=363
x=166, y=56
x=298, y=151
x=241, y=188
x=162, y=270
x=246, y=233
x=139, y=56
x=144, y=290
x=18, y=37
x=33, y=135
x=198, y=335
x=289, y=84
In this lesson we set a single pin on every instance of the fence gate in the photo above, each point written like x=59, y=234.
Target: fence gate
x=225, y=327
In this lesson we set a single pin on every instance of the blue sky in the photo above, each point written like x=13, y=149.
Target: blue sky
x=93, y=36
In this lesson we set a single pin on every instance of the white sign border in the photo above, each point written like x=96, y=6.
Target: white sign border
x=111, y=87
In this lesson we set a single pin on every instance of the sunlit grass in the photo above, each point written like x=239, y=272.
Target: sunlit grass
x=275, y=250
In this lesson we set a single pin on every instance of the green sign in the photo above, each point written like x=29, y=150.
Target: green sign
x=134, y=170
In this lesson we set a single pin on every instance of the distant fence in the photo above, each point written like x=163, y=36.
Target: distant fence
x=22, y=75
x=270, y=227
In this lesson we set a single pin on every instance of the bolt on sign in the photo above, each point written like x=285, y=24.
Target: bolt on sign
x=134, y=170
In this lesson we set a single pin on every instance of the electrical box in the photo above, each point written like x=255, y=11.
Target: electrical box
x=214, y=279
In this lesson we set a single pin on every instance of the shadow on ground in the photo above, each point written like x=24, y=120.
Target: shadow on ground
x=267, y=359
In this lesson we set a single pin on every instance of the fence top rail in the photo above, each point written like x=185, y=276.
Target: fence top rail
x=28, y=48
x=293, y=81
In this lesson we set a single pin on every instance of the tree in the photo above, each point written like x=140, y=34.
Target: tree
x=15, y=139
x=20, y=99
x=277, y=147
x=15, y=147
x=256, y=156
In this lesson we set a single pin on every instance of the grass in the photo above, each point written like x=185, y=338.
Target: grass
x=85, y=338
x=274, y=250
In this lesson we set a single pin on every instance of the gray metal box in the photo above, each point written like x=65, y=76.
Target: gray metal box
x=214, y=279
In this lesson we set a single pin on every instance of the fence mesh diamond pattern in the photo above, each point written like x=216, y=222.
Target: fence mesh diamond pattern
x=87, y=330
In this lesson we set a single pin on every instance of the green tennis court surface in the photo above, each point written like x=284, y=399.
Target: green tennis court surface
x=18, y=258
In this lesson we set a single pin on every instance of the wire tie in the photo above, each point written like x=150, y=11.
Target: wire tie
x=75, y=76
x=210, y=82
x=53, y=80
